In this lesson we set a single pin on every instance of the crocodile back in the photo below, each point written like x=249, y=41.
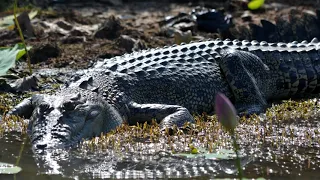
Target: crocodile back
x=190, y=75
x=186, y=75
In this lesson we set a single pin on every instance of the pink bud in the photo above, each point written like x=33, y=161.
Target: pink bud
x=226, y=112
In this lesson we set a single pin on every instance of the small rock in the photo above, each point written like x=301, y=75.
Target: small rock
x=25, y=25
x=139, y=45
x=168, y=31
x=275, y=6
x=246, y=16
x=212, y=20
x=126, y=42
x=185, y=26
x=180, y=37
x=43, y=52
x=309, y=12
x=110, y=29
x=6, y=34
x=76, y=32
x=130, y=44
x=236, y=5
x=64, y=25
x=73, y=39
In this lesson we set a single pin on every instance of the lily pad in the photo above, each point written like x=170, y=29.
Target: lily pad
x=8, y=56
x=6, y=168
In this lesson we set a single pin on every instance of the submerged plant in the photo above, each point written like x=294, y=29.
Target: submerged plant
x=227, y=116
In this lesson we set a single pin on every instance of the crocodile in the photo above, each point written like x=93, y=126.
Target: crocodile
x=170, y=84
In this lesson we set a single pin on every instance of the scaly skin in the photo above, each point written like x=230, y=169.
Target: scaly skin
x=169, y=84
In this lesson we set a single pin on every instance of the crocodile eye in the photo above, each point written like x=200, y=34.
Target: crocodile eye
x=93, y=114
x=43, y=107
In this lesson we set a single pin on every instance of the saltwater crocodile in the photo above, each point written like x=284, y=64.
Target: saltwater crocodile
x=169, y=84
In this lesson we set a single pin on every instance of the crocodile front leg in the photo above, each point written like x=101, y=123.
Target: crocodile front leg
x=25, y=108
x=165, y=115
x=242, y=71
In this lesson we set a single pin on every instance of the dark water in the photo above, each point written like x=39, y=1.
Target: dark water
x=73, y=164
x=292, y=157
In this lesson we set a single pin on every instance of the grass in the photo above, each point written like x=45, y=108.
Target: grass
x=286, y=112
x=208, y=126
x=281, y=131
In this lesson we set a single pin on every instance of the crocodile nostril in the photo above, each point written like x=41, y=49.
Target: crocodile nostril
x=41, y=146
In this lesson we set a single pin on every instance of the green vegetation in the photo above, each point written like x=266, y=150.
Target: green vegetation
x=8, y=5
x=227, y=116
x=6, y=168
x=8, y=56
x=5, y=4
x=209, y=127
x=21, y=36
x=255, y=4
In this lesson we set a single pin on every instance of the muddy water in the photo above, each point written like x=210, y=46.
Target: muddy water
x=292, y=157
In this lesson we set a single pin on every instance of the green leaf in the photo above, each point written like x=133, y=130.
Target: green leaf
x=194, y=151
x=8, y=56
x=255, y=4
x=6, y=168
x=22, y=51
x=8, y=20
x=33, y=14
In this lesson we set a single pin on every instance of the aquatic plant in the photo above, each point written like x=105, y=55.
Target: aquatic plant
x=227, y=116
x=21, y=35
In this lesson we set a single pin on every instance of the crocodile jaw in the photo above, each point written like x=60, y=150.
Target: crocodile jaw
x=60, y=121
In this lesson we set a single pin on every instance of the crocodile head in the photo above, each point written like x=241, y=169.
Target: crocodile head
x=58, y=121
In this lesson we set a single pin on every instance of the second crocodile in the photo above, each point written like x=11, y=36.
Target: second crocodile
x=169, y=84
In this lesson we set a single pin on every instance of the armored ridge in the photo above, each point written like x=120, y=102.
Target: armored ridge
x=285, y=69
x=169, y=84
